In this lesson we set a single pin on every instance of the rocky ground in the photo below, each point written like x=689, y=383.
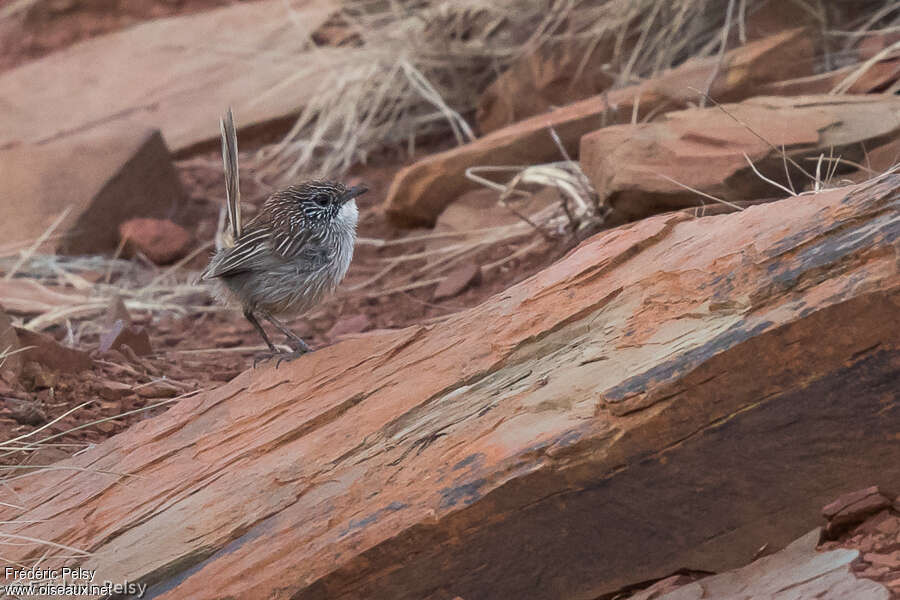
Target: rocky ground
x=103, y=322
x=197, y=350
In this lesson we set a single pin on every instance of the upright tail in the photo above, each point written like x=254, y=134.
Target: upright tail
x=232, y=177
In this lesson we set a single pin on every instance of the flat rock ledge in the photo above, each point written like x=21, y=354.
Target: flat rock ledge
x=672, y=394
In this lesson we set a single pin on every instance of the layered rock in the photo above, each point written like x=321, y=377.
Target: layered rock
x=421, y=191
x=798, y=572
x=29, y=297
x=677, y=391
x=648, y=168
x=563, y=71
x=175, y=74
x=102, y=177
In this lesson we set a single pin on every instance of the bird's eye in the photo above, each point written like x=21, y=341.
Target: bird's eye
x=321, y=199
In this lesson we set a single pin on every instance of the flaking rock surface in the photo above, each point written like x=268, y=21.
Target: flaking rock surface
x=674, y=392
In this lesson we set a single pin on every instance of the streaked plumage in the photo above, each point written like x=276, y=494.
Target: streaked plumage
x=292, y=254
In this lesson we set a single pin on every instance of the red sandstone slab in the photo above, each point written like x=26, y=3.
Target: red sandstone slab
x=664, y=395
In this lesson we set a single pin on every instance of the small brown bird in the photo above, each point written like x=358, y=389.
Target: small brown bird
x=293, y=253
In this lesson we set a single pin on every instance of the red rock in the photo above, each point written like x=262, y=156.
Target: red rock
x=106, y=427
x=891, y=560
x=25, y=412
x=120, y=335
x=856, y=505
x=11, y=361
x=349, y=325
x=648, y=400
x=46, y=455
x=876, y=78
x=892, y=582
x=661, y=587
x=878, y=160
x=420, y=192
x=105, y=177
x=875, y=573
x=117, y=311
x=799, y=571
x=774, y=17
x=867, y=544
x=38, y=377
x=479, y=209
x=707, y=149
x=162, y=241
x=222, y=341
x=336, y=32
x=157, y=389
x=561, y=72
x=51, y=354
x=112, y=390
x=133, y=81
x=555, y=74
x=889, y=525
x=810, y=85
x=24, y=296
x=873, y=43
x=871, y=524
x=458, y=281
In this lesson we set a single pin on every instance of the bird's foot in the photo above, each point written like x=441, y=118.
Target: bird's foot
x=298, y=346
x=264, y=356
x=280, y=356
x=288, y=356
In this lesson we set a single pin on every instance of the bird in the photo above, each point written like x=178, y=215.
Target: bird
x=290, y=256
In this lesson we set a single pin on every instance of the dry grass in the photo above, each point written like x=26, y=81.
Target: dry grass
x=421, y=67
x=142, y=289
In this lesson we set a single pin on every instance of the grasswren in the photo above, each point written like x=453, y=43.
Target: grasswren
x=290, y=256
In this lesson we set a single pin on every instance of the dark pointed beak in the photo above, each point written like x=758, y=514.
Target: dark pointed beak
x=351, y=193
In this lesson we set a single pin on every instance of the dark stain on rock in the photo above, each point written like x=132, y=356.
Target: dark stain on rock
x=159, y=588
x=835, y=248
x=466, y=493
x=477, y=457
x=688, y=361
x=373, y=518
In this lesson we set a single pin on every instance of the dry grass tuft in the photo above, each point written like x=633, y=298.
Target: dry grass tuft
x=168, y=290
x=420, y=67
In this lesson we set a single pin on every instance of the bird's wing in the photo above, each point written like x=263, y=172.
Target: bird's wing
x=262, y=248
x=232, y=176
x=301, y=248
x=248, y=253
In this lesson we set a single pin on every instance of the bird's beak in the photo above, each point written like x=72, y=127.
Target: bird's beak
x=356, y=190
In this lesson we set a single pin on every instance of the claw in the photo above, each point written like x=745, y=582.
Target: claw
x=298, y=346
x=289, y=356
x=279, y=356
x=263, y=357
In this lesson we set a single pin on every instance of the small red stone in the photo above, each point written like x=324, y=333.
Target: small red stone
x=160, y=240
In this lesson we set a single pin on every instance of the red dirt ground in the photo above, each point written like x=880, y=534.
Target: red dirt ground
x=198, y=351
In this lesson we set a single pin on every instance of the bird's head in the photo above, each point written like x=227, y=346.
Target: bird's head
x=323, y=202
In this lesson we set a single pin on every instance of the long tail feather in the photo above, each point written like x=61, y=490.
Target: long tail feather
x=232, y=178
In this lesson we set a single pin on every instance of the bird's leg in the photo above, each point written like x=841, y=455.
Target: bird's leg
x=294, y=341
x=262, y=332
